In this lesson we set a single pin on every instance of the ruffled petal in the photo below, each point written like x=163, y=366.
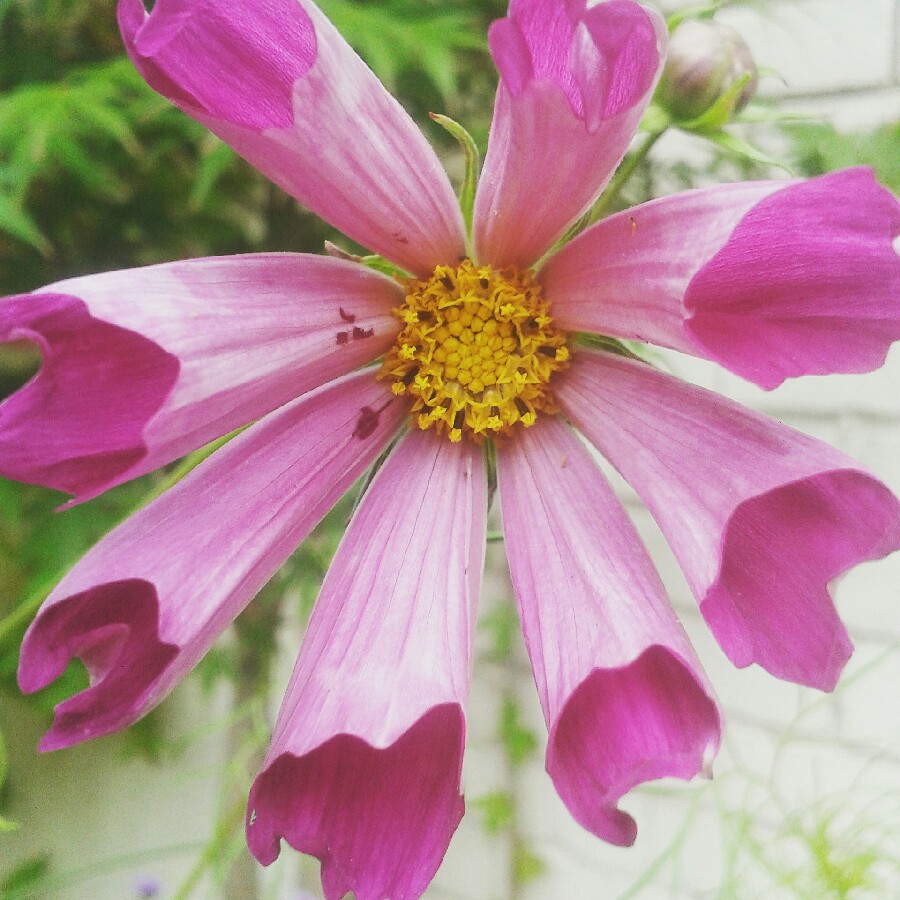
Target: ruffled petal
x=574, y=83
x=147, y=602
x=623, y=694
x=275, y=80
x=364, y=766
x=142, y=366
x=760, y=517
x=769, y=279
x=50, y=430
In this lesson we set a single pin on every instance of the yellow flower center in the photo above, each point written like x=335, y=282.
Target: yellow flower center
x=476, y=352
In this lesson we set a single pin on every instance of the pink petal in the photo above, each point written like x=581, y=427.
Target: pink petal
x=364, y=767
x=626, y=275
x=50, y=430
x=275, y=80
x=808, y=283
x=148, y=601
x=760, y=517
x=574, y=84
x=623, y=695
x=142, y=366
x=770, y=279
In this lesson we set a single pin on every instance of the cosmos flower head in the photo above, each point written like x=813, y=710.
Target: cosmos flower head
x=478, y=343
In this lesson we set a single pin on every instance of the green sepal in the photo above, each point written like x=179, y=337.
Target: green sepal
x=721, y=112
x=380, y=264
x=630, y=349
x=707, y=11
x=372, y=261
x=655, y=119
x=473, y=163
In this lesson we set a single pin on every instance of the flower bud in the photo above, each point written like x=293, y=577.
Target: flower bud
x=705, y=59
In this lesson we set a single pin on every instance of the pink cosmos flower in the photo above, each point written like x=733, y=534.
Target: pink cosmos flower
x=771, y=280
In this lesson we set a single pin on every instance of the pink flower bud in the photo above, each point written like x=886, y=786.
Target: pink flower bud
x=705, y=59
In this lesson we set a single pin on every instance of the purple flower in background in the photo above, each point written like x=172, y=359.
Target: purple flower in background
x=147, y=886
x=770, y=279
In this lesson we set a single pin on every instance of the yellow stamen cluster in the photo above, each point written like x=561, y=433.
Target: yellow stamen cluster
x=476, y=352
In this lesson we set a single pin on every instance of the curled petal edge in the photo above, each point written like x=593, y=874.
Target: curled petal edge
x=649, y=719
x=351, y=804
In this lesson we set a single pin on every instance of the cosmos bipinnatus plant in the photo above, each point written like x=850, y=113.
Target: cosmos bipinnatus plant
x=488, y=343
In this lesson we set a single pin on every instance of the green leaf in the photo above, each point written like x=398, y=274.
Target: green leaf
x=526, y=864
x=819, y=148
x=473, y=160
x=15, y=221
x=519, y=741
x=214, y=162
x=735, y=146
x=756, y=113
x=25, y=877
x=397, y=36
x=110, y=120
x=498, y=810
x=502, y=624
x=5, y=824
x=91, y=172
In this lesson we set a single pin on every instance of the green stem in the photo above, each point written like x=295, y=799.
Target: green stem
x=225, y=828
x=623, y=173
x=255, y=633
x=254, y=639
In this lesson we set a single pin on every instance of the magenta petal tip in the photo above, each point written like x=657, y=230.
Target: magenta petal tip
x=379, y=819
x=50, y=433
x=652, y=718
x=101, y=627
x=770, y=603
x=807, y=283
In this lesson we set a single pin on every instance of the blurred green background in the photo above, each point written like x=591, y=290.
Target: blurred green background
x=97, y=172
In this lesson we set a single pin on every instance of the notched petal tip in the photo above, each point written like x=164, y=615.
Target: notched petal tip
x=379, y=819
x=652, y=718
x=574, y=84
x=238, y=64
x=78, y=424
x=631, y=41
x=604, y=59
x=113, y=630
x=770, y=603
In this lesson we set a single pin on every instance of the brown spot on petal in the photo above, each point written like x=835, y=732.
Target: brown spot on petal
x=343, y=337
x=347, y=317
x=366, y=423
x=361, y=333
